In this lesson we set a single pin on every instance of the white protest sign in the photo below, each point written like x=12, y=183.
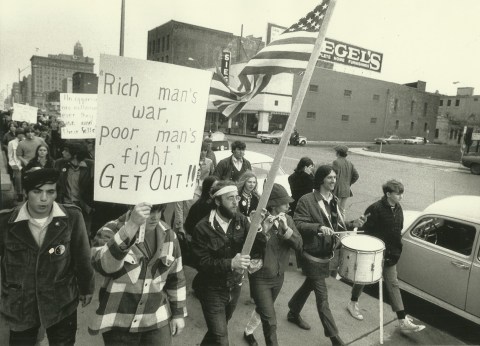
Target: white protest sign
x=149, y=130
x=78, y=113
x=24, y=113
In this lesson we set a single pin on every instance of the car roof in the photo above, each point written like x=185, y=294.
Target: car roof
x=460, y=207
x=251, y=156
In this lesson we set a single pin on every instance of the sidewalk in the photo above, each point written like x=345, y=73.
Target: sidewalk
x=438, y=163
x=353, y=332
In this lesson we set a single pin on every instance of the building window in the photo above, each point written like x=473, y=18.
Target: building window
x=373, y=120
x=412, y=107
x=451, y=133
x=158, y=46
x=276, y=102
x=376, y=97
x=475, y=99
x=347, y=93
x=441, y=103
x=313, y=87
x=437, y=133
x=449, y=103
x=412, y=124
x=166, y=58
x=311, y=115
x=395, y=105
x=168, y=42
x=425, y=109
x=457, y=103
x=425, y=127
x=397, y=123
x=345, y=117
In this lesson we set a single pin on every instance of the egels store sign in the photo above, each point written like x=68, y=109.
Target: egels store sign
x=348, y=54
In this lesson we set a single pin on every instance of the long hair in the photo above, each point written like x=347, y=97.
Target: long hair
x=207, y=186
x=34, y=161
x=242, y=181
x=321, y=174
x=304, y=162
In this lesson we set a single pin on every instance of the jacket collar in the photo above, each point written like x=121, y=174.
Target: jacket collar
x=23, y=213
x=21, y=230
x=319, y=198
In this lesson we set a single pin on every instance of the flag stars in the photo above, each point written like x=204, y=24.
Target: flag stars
x=309, y=20
x=324, y=6
x=317, y=14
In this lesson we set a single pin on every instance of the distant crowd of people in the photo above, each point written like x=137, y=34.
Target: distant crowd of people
x=57, y=236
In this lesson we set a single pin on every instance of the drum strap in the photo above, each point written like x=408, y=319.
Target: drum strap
x=315, y=259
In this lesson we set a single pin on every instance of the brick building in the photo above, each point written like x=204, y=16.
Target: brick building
x=345, y=107
x=199, y=47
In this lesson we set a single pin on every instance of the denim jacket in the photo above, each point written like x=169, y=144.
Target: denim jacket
x=42, y=285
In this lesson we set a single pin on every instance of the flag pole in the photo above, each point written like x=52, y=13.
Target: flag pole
x=267, y=189
x=122, y=28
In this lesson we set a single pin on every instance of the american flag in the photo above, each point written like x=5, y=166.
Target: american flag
x=289, y=53
x=230, y=101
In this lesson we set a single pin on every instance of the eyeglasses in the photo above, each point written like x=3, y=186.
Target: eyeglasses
x=236, y=198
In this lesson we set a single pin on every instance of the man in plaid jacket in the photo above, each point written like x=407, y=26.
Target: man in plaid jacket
x=143, y=297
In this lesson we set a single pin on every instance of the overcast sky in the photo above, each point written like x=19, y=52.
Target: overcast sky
x=437, y=41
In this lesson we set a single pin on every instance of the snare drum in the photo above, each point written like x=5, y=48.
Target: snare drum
x=361, y=259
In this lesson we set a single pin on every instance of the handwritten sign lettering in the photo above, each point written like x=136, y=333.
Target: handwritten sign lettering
x=79, y=114
x=149, y=130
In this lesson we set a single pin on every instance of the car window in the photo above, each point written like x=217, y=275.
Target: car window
x=448, y=234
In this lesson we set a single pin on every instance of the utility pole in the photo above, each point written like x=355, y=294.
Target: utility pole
x=122, y=28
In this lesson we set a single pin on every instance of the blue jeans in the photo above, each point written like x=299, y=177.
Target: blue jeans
x=315, y=282
x=60, y=334
x=218, y=305
x=159, y=336
x=391, y=285
x=265, y=292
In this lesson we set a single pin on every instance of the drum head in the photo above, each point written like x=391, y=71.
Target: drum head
x=362, y=242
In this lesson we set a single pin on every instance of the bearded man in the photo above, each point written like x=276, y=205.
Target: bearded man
x=217, y=243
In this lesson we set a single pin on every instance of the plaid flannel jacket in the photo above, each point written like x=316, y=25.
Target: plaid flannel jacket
x=138, y=294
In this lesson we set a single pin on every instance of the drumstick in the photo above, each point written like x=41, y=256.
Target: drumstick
x=342, y=232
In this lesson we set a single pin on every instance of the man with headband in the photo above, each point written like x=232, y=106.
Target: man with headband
x=216, y=244
x=45, y=259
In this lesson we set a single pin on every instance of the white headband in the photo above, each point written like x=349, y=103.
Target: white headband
x=224, y=190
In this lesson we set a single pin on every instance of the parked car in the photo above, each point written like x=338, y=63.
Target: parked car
x=261, y=165
x=414, y=140
x=275, y=137
x=440, y=261
x=388, y=140
x=472, y=161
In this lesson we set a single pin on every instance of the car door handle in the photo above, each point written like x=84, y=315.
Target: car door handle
x=460, y=265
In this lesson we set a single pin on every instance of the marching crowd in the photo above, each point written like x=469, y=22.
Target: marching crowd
x=57, y=236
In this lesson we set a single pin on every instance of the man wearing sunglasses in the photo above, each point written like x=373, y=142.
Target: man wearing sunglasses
x=217, y=244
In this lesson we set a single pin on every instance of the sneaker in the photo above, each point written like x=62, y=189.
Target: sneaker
x=298, y=320
x=250, y=339
x=407, y=326
x=353, y=309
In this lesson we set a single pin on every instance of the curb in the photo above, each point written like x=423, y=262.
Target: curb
x=438, y=163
